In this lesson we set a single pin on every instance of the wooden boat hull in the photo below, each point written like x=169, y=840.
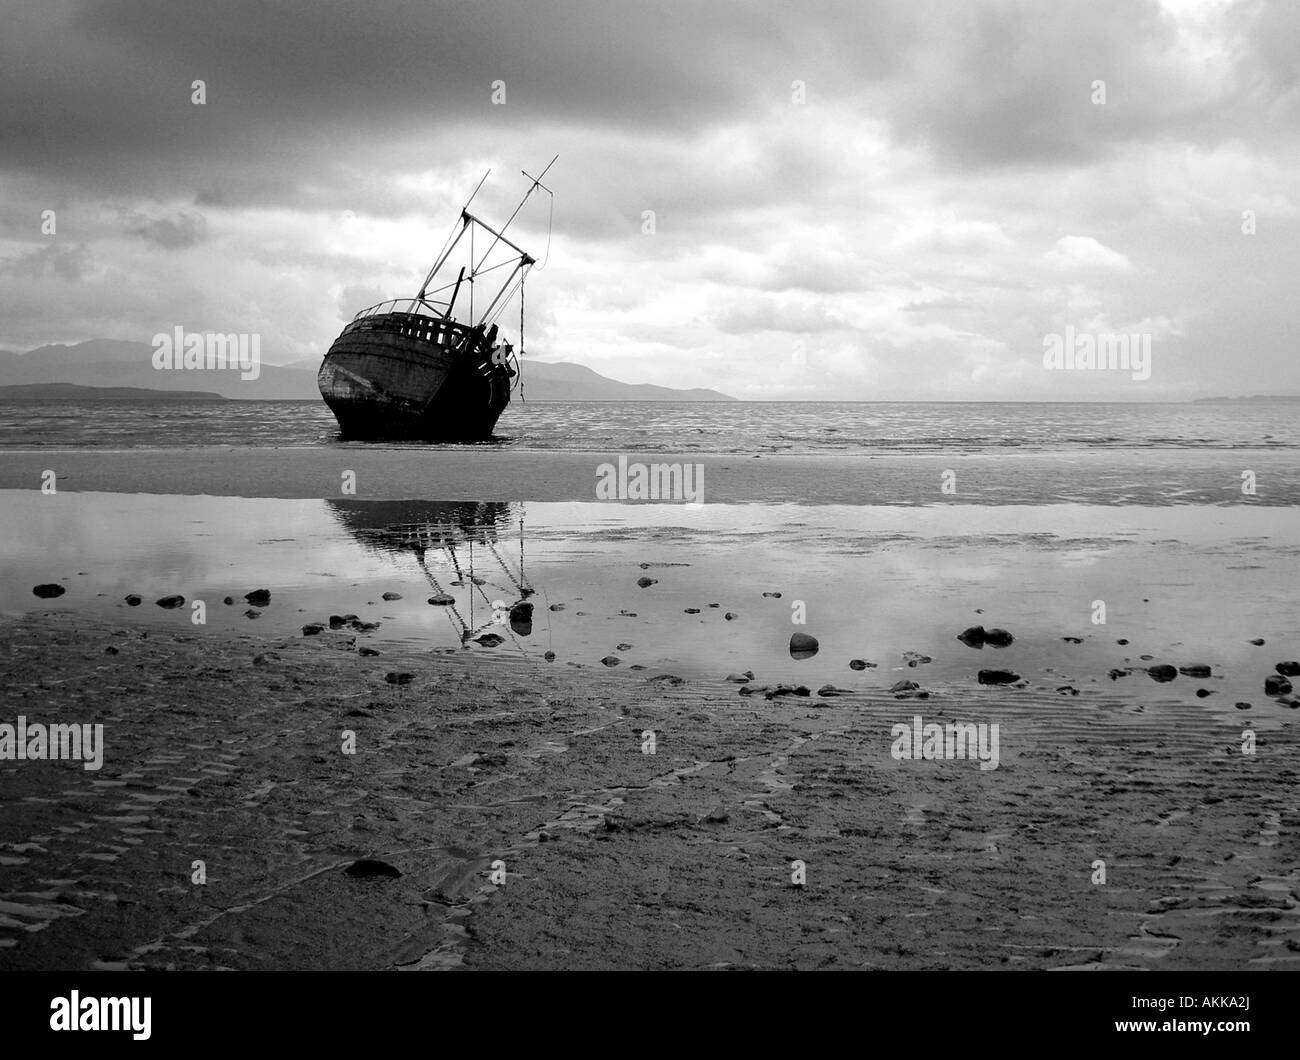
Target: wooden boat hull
x=402, y=376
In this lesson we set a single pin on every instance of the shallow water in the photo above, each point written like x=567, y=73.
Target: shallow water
x=1183, y=585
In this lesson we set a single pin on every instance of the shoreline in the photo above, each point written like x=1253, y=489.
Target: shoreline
x=226, y=749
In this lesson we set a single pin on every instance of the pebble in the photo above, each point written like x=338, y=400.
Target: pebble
x=915, y=658
x=367, y=651
x=371, y=868
x=48, y=591
x=1243, y=706
x=1258, y=642
x=1195, y=670
x=860, y=664
x=490, y=640
x=556, y=607
x=258, y=597
x=442, y=600
x=730, y=616
x=1162, y=672
x=312, y=628
x=252, y=613
x=133, y=599
x=692, y=611
x=803, y=646
x=645, y=582
x=1275, y=685
x=171, y=602
x=740, y=679
x=393, y=677
x=997, y=677
x=611, y=660
x=911, y=686
x=978, y=636
x=1288, y=669
x=773, y=596
x=392, y=596
x=549, y=656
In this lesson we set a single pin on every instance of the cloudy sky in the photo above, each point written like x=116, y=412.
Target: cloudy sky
x=948, y=193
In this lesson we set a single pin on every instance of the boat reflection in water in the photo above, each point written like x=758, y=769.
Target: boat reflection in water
x=442, y=537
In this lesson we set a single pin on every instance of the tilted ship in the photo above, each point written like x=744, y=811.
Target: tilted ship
x=431, y=368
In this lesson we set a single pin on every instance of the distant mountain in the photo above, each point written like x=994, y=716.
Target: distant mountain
x=72, y=392
x=562, y=381
x=112, y=364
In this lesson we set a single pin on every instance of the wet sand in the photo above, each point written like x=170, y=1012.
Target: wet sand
x=614, y=858
x=1101, y=476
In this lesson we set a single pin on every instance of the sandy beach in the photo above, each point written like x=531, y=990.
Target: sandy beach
x=228, y=750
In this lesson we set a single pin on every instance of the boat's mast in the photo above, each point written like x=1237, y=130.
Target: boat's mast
x=537, y=183
x=448, y=248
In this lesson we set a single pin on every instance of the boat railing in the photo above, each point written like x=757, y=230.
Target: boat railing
x=392, y=306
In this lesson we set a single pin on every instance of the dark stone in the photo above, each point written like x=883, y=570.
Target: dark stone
x=1121, y=641
x=611, y=660
x=623, y=647
x=1276, y=685
x=395, y=678
x=1288, y=669
x=803, y=646
x=1258, y=642
x=715, y=605
x=978, y=636
x=368, y=651
x=645, y=582
x=1162, y=672
x=392, y=596
x=312, y=628
x=372, y=869
x=490, y=640
x=1243, y=706
x=997, y=677
x=911, y=686
x=858, y=664
x=252, y=613
x=692, y=611
x=1201, y=693
x=1115, y=675
x=110, y=650
x=740, y=679
x=730, y=615
x=442, y=600
x=1072, y=640
x=830, y=691
x=171, y=602
x=228, y=601
x=556, y=607
x=915, y=659
x=134, y=599
x=364, y=627
x=1290, y=701
x=259, y=597
x=773, y=596
x=549, y=656
x=48, y=591
x=337, y=621
x=1195, y=670
x=261, y=659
